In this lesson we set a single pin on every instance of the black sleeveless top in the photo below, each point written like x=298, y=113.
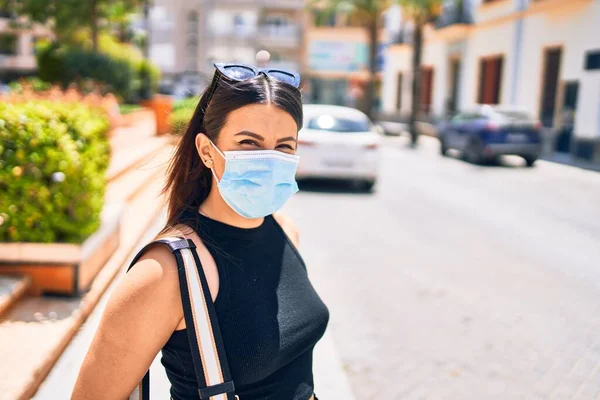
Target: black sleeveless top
x=269, y=313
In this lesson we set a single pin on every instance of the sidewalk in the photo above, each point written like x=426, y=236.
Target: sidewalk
x=331, y=381
x=567, y=159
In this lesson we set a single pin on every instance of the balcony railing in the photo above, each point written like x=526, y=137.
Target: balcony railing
x=285, y=65
x=280, y=36
x=454, y=13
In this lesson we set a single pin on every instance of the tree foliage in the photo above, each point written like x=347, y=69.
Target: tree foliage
x=421, y=11
x=67, y=17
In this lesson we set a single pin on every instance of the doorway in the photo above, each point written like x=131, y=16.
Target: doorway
x=490, y=80
x=552, y=59
x=399, y=92
x=426, y=89
x=567, y=117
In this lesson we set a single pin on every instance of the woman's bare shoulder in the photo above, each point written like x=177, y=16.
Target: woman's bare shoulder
x=289, y=226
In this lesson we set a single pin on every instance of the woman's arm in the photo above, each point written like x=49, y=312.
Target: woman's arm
x=139, y=318
x=289, y=227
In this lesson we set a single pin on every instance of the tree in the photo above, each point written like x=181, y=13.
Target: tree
x=119, y=15
x=421, y=12
x=367, y=13
x=67, y=17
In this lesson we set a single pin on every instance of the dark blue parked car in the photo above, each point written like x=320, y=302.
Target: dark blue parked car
x=489, y=131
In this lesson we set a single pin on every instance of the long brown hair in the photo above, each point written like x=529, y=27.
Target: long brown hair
x=188, y=180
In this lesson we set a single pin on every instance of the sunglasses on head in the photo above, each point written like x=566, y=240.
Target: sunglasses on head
x=242, y=72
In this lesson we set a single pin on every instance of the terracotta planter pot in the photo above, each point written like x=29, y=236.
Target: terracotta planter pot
x=162, y=106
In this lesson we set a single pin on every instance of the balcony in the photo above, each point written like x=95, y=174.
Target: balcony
x=273, y=36
x=17, y=62
x=454, y=13
x=283, y=4
x=239, y=35
x=399, y=37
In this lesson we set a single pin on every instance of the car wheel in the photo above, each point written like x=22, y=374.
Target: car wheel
x=443, y=147
x=367, y=186
x=530, y=161
x=474, y=152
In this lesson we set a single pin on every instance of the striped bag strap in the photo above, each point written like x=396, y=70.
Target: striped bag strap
x=204, y=335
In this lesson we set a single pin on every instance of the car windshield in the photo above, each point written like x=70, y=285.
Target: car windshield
x=335, y=124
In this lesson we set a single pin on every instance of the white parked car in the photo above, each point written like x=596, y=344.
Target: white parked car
x=340, y=143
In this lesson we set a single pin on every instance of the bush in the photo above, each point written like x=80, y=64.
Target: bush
x=33, y=82
x=53, y=161
x=149, y=75
x=125, y=109
x=120, y=67
x=179, y=120
x=190, y=102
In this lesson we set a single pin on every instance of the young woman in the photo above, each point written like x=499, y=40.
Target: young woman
x=233, y=169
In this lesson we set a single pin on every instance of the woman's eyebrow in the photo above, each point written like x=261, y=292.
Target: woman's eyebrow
x=287, y=139
x=251, y=134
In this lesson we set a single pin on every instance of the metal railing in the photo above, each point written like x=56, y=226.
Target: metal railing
x=288, y=35
x=454, y=12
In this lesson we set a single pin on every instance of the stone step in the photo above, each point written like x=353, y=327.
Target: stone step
x=12, y=288
x=133, y=155
x=126, y=186
x=36, y=330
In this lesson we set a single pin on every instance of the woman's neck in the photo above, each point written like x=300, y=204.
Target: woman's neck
x=214, y=207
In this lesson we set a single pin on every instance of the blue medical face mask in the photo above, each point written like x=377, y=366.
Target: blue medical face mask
x=257, y=183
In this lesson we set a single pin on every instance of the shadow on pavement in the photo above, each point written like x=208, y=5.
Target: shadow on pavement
x=509, y=162
x=334, y=186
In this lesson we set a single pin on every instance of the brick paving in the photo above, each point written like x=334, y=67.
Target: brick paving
x=453, y=281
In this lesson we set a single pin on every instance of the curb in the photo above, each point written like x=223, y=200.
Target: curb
x=331, y=379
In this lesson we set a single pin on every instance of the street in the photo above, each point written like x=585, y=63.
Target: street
x=455, y=281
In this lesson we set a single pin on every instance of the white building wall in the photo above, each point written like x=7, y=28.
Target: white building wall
x=486, y=41
x=398, y=59
x=576, y=30
x=574, y=25
x=435, y=55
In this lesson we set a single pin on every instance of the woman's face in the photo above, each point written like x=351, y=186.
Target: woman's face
x=252, y=127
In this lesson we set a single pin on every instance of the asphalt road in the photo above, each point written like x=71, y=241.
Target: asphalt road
x=454, y=281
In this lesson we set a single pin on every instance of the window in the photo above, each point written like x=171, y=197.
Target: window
x=8, y=44
x=592, y=60
x=330, y=123
x=238, y=20
x=426, y=89
x=490, y=79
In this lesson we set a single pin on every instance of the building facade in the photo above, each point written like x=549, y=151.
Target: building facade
x=337, y=53
x=189, y=36
x=17, y=44
x=542, y=56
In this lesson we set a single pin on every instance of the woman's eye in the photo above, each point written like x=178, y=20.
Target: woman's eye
x=286, y=147
x=249, y=142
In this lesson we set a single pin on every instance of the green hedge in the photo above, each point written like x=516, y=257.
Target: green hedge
x=53, y=161
x=121, y=69
x=190, y=102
